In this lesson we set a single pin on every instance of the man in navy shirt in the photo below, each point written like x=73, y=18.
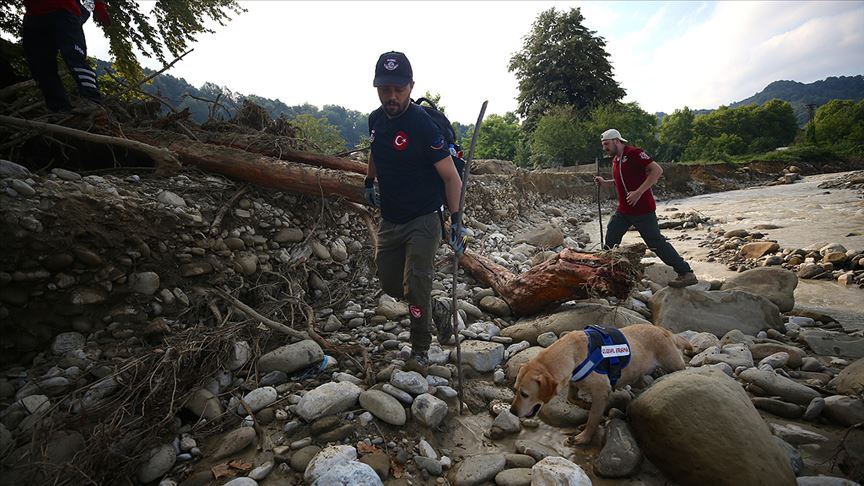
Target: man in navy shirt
x=412, y=163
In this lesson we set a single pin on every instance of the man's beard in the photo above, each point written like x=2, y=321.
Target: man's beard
x=393, y=108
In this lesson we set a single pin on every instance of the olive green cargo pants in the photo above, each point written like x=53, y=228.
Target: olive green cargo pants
x=405, y=257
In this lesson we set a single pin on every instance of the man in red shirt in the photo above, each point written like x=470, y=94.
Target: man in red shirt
x=633, y=173
x=56, y=25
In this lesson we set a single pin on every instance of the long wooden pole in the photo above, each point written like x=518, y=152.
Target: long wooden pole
x=458, y=229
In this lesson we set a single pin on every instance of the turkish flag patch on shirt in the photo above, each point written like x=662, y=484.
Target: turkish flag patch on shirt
x=400, y=141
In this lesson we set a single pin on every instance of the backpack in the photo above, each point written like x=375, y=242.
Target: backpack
x=455, y=150
x=447, y=130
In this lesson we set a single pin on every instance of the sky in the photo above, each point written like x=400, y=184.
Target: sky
x=666, y=55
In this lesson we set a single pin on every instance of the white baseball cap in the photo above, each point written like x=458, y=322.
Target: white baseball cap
x=612, y=134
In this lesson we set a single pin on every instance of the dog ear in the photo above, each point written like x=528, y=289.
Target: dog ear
x=548, y=387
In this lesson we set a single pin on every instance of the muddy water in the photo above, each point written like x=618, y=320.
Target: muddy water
x=805, y=214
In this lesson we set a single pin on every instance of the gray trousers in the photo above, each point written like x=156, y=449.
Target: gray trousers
x=405, y=258
x=647, y=226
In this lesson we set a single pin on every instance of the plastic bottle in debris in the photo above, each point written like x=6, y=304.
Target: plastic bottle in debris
x=315, y=369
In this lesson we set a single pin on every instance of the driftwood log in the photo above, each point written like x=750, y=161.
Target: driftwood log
x=260, y=170
x=272, y=146
x=567, y=276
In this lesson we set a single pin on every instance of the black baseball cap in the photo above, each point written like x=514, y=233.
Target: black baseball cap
x=393, y=69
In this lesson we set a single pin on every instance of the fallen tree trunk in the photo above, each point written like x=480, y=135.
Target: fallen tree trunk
x=163, y=159
x=258, y=169
x=274, y=146
x=567, y=276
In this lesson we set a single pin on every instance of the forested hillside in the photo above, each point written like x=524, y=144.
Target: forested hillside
x=799, y=95
x=350, y=124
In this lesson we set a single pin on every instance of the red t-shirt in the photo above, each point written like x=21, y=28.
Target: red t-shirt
x=632, y=166
x=42, y=7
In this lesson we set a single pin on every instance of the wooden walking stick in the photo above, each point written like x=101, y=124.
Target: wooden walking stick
x=458, y=229
x=599, y=211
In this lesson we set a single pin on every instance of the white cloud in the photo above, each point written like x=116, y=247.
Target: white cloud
x=741, y=48
x=665, y=55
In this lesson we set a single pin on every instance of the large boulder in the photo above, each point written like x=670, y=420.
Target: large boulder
x=833, y=343
x=717, y=312
x=291, y=357
x=573, y=319
x=773, y=283
x=328, y=399
x=694, y=425
x=778, y=385
x=850, y=381
x=544, y=236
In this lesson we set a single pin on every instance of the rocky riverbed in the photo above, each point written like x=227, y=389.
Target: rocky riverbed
x=123, y=363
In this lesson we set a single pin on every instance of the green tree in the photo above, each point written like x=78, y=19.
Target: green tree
x=324, y=136
x=841, y=122
x=562, y=63
x=559, y=139
x=635, y=124
x=499, y=137
x=676, y=130
x=744, y=130
x=170, y=27
x=436, y=99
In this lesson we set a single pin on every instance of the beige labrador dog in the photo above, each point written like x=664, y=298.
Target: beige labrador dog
x=539, y=379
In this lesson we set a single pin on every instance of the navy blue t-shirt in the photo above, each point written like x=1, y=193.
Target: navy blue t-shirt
x=404, y=151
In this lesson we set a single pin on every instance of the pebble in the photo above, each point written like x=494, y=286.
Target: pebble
x=22, y=187
x=261, y=471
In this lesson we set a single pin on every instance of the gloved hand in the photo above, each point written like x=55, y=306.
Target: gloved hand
x=458, y=234
x=100, y=14
x=371, y=196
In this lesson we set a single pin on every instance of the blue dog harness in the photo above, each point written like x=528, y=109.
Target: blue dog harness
x=608, y=354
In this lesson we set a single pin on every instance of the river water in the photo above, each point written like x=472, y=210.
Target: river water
x=806, y=215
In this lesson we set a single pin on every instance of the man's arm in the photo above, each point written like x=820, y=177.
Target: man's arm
x=653, y=171
x=452, y=182
x=370, y=169
x=100, y=13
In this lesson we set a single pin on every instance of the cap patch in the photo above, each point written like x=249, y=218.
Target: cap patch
x=390, y=64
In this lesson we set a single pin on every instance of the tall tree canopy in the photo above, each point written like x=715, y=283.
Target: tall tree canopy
x=676, y=130
x=566, y=137
x=500, y=137
x=562, y=63
x=169, y=28
x=737, y=131
x=841, y=122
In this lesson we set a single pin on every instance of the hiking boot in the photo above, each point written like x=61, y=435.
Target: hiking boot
x=417, y=362
x=683, y=280
x=442, y=319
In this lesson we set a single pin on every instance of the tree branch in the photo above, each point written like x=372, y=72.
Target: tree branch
x=164, y=159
